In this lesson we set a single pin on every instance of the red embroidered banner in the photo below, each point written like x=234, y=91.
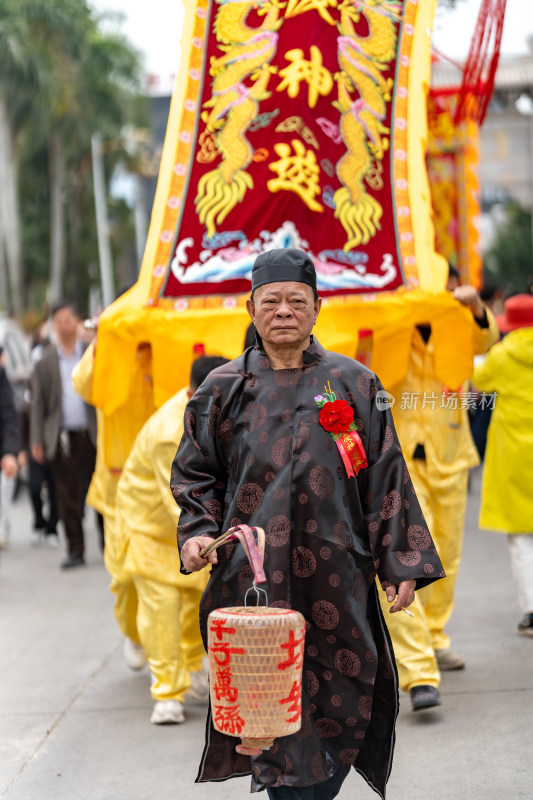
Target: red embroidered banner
x=293, y=134
x=452, y=159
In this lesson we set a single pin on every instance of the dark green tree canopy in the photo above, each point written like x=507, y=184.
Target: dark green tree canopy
x=63, y=77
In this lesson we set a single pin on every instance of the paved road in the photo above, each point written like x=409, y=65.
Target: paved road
x=74, y=721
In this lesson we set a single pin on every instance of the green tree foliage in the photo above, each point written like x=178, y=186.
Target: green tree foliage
x=510, y=256
x=63, y=77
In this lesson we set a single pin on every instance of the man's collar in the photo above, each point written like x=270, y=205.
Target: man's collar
x=76, y=352
x=312, y=354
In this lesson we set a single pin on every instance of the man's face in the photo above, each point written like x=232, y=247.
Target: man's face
x=284, y=313
x=65, y=324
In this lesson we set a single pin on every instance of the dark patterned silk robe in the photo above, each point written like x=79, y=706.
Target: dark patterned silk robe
x=254, y=452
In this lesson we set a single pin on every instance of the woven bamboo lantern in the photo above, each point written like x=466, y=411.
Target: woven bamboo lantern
x=255, y=663
x=255, y=668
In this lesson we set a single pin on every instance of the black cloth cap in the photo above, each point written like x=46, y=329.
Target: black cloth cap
x=283, y=264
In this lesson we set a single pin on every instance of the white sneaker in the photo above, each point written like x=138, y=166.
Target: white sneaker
x=199, y=686
x=37, y=537
x=52, y=540
x=167, y=712
x=134, y=655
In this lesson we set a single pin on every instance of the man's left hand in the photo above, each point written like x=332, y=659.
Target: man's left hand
x=468, y=296
x=404, y=593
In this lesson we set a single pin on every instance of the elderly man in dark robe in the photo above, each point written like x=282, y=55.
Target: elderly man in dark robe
x=255, y=452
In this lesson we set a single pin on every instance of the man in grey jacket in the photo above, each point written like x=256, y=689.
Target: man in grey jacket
x=63, y=427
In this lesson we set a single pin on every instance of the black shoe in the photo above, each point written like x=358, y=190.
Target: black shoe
x=525, y=626
x=73, y=560
x=424, y=697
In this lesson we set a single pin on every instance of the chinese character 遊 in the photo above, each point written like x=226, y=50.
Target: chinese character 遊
x=296, y=173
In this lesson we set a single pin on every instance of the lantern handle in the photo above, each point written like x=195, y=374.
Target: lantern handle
x=254, y=551
x=258, y=592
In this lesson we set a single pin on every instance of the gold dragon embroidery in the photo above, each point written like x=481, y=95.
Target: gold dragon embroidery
x=234, y=103
x=362, y=60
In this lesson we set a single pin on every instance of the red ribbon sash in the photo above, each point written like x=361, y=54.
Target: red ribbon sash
x=352, y=452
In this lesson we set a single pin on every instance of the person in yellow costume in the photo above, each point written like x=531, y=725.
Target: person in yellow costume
x=147, y=518
x=434, y=432
x=506, y=494
x=116, y=434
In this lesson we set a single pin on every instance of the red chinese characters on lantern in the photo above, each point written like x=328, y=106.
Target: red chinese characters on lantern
x=294, y=648
x=295, y=652
x=223, y=688
x=227, y=718
x=221, y=648
x=294, y=702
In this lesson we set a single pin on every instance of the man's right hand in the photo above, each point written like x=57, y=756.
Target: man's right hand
x=190, y=553
x=37, y=452
x=9, y=465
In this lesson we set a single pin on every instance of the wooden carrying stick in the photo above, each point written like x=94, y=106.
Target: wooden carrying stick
x=255, y=552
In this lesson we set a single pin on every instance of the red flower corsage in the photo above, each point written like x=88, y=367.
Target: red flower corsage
x=336, y=417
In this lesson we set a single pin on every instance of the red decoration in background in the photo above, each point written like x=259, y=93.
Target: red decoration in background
x=479, y=71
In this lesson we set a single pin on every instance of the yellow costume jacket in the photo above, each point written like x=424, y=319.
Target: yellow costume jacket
x=428, y=413
x=116, y=431
x=147, y=514
x=506, y=500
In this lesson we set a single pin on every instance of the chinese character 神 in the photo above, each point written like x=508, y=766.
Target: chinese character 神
x=223, y=688
x=294, y=649
x=228, y=719
x=295, y=699
x=297, y=173
x=312, y=72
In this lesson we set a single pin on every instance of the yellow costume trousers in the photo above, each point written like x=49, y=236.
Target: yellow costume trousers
x=415, y=640
x=170, y=635
x=121, y=584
